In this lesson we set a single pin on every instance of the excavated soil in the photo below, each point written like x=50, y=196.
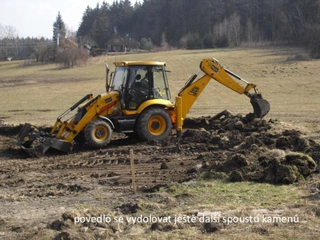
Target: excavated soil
x=231, y=147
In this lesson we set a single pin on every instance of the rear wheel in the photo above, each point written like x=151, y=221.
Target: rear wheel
x=154, y=124
x=98, y=133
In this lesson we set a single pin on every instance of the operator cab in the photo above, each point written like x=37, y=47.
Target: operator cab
x=138, y=82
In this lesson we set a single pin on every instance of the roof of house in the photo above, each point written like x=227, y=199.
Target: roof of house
x=116, y=40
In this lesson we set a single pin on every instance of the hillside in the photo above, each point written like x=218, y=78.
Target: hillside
x=230, y=177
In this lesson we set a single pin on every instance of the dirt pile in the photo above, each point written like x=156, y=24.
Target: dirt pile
x=225, y=146
x=232, y=147
x=246, y=149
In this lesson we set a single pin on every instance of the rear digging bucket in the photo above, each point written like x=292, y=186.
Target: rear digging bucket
x=261, y=107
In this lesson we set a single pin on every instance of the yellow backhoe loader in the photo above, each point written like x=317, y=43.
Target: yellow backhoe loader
x=137, y=101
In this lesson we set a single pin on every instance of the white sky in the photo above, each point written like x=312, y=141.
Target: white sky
x=35, y=18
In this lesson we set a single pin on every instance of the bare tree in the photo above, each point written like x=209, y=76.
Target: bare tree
x=228, y=32
x=7, y=31
x=71, y=33
x=8, y=35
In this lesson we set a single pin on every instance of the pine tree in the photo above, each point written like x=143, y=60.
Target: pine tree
x=101, y=29
x=59, y=29
x=87, y=22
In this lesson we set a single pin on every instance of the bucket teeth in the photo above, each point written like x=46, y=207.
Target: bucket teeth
x=35, y=151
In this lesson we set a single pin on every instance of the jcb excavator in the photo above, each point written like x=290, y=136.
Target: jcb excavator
x=137, y=101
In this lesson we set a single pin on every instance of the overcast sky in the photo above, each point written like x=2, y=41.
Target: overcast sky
x=35, y=18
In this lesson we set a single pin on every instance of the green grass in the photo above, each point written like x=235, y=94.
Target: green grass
x=240, y=199
x=239, y=195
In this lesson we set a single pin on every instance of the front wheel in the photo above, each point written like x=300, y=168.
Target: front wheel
x=98, y=133
x=154, y=124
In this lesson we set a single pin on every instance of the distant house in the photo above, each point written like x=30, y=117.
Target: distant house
x=116, y=44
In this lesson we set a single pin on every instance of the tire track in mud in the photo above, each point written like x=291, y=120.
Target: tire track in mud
x=86, y=169
x=241, y=147
x=41, y=189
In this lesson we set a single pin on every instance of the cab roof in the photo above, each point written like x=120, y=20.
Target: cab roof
x=138, y=63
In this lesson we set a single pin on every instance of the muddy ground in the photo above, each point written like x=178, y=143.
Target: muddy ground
x=41, y=197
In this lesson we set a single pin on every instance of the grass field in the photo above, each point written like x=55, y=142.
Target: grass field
x=31, y=188
x=38, y=93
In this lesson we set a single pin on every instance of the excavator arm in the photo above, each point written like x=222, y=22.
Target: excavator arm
x=213, y=70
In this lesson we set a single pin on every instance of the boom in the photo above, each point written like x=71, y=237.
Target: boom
x=213, y=70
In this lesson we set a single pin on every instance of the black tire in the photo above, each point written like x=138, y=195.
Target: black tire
x=154, y=124
x=98, y=133
x=80, y=138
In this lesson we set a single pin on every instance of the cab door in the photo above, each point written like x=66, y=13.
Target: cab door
x=137, y=87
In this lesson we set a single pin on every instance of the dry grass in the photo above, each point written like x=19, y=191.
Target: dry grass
x=39, y=93
x=227, y=202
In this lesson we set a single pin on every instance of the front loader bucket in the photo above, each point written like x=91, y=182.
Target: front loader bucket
x=36, y=143
x=261, y=107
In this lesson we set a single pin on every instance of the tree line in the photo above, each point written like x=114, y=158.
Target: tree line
x=61, y=48
x=190, y=24
x=203, y=24
x=12, y=46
